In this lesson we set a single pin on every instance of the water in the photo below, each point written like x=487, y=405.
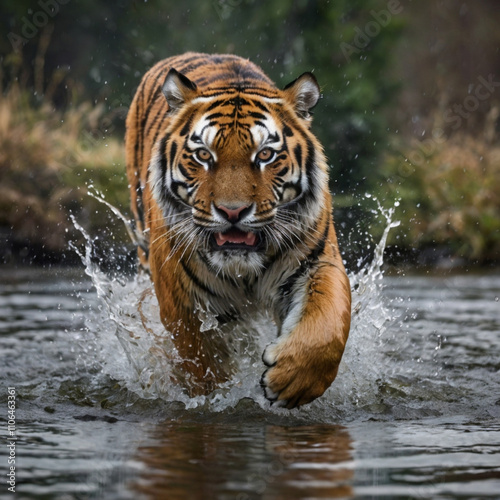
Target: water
x=100, y=411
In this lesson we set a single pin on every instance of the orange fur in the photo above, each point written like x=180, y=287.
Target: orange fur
x=229, y=190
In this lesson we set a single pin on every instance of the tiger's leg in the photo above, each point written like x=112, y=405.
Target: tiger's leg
x=202, y=360
x=202, y=356
x=202, y=364
x=305, y=360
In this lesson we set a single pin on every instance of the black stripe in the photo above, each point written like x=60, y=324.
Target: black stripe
x=248, y=91
x=175, y=186
x=215, y=104
x=159, y=113
x=297, y=151
x=238, y=102
x=209, y=79
x=138, y=163
x=157, y=77
x=190, y=68
x=213, y=116
x=310, y=158
x=163, y=163
x=139, y=202
x=192, y=276
x=184, y=172
x=295, y=186
x=282, y=156
x=312, y=259
x=182, y=63
x=320, y=246
x=142, y=125
x=201, y=221
x=173, y=152
x=259, y=116
x=269, y=210
x=287, y=131
x=157, y=133
x=201, y=210
x=261, y=106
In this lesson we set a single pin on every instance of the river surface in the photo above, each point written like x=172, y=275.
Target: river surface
x=414, y=412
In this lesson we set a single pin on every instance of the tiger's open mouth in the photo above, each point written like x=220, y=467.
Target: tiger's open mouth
x=235, y=239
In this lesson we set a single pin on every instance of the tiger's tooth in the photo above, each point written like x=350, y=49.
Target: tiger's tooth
x=250, y=239
x=219, y=239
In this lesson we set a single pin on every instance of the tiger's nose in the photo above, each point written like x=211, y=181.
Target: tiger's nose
x=233, y=215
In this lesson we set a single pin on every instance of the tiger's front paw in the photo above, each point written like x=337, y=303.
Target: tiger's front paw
x=297, y=376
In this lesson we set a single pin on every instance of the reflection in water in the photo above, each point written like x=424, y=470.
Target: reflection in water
x=228, y=461
x=312, y=461
x=420, y=400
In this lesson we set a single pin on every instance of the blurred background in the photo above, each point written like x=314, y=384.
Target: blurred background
x=409, y=116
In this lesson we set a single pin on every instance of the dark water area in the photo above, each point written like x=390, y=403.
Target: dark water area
x=414, y=412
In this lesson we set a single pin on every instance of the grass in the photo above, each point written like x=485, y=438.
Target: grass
x=48, y=157
x=450, y=198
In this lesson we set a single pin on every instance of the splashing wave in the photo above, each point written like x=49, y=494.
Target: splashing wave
x=135, y=349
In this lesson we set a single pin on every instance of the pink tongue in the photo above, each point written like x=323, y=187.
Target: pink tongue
x=235, y=236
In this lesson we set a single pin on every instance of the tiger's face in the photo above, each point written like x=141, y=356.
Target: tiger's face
x=236, y=173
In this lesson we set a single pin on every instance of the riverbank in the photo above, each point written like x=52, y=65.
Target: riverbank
x=447, y=201
x=49, y=159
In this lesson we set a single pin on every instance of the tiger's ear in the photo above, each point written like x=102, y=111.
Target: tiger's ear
x=177, y=89
x=303, y=93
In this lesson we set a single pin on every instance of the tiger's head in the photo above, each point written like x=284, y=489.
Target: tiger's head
x=238, y=174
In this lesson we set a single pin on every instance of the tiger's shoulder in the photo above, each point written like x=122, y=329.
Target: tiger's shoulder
x=218, y=72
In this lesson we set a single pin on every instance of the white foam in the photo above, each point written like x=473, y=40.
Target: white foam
x=134, y=348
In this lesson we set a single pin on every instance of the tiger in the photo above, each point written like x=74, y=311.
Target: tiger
x=230, y=199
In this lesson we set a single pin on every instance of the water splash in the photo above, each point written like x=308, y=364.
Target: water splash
x=135, y=350
x=363, y=365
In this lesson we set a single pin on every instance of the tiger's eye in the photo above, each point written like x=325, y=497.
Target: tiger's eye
x=265, y=154
x=203, y=155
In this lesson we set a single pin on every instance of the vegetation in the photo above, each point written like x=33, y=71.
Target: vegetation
x=48, y=158
x=450, y=199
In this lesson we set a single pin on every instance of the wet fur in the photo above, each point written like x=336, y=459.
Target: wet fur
x=229, y=107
